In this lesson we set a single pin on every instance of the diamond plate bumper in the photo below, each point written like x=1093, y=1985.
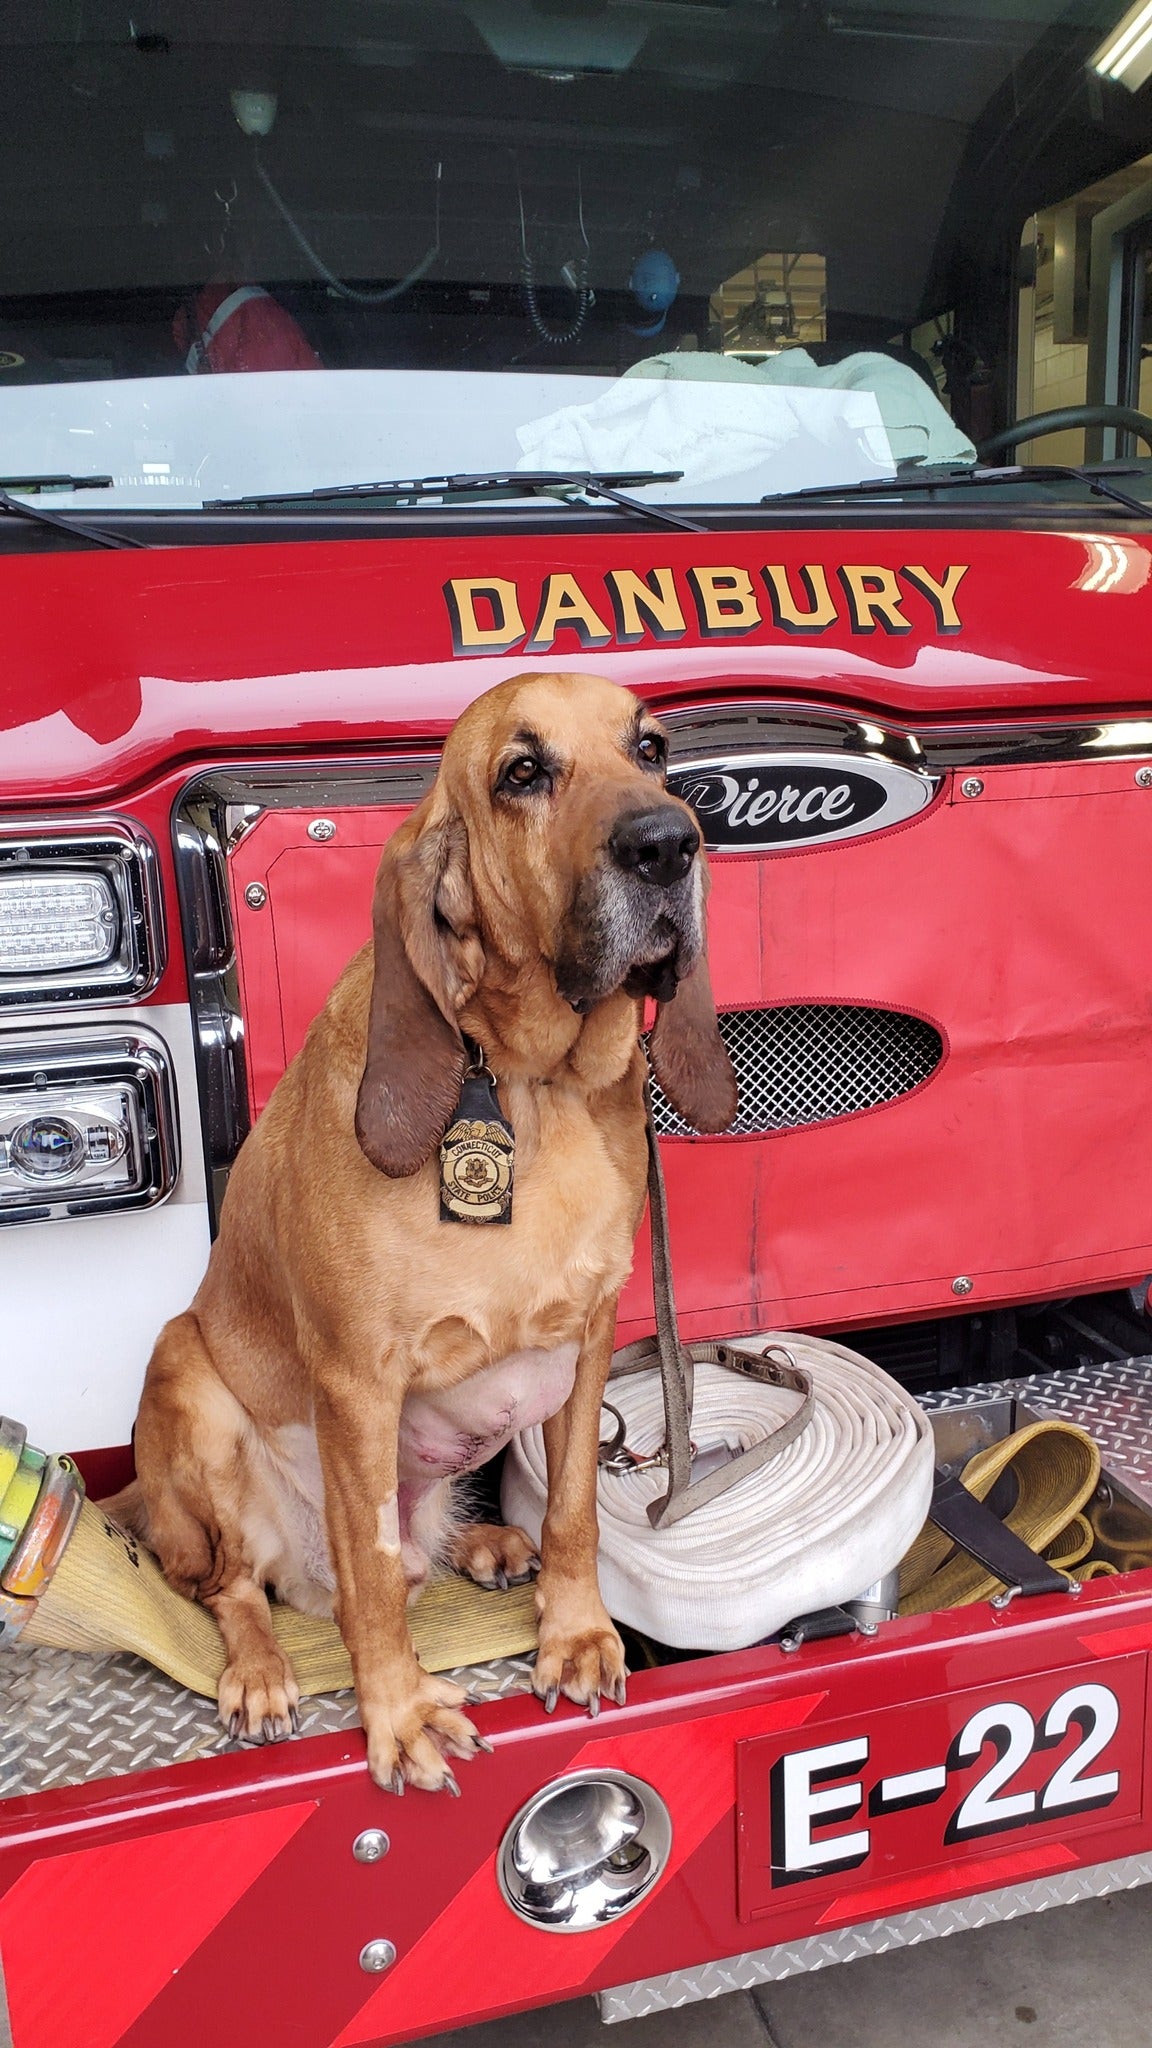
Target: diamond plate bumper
x=874, y=1937
x=68, y=1718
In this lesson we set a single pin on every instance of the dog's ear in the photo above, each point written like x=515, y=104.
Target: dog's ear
x=428, y=960
x=688, y=1055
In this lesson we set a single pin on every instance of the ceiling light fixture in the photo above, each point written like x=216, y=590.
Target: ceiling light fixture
x=1126, y=54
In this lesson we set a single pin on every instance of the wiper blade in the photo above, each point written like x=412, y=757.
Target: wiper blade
x=947, y=479
x=611, y=484
x=17, y=509
x=56, y=483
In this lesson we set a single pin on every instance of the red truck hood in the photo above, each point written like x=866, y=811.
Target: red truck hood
x=118, y=665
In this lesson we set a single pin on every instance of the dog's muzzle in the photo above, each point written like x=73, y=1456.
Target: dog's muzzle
x=637, y=920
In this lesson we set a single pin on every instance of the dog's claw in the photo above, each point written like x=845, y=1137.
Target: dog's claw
x=482, y=1745
x=501, y=1579
x=594, y=1706
x=294, y=1717
x=397, y=1782
x=235, y=1725
x=620, y=1692
x=450, y=1785
x=550, y=1699
x=534, y=1565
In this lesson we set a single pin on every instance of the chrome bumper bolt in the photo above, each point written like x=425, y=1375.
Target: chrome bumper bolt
x=370, y=1845
x=376, y=1956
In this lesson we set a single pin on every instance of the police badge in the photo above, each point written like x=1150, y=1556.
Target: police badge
x=477, y=1154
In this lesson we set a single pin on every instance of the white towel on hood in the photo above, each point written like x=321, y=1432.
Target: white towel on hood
x=715, y=416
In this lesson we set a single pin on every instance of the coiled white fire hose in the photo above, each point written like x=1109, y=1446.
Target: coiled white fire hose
x=833, y=1512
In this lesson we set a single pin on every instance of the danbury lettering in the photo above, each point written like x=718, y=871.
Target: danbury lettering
x=628, y=608
x=645, y=605
x=564, y=604
x=484, y=613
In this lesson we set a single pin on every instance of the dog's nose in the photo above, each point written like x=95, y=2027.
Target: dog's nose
x=659, y=846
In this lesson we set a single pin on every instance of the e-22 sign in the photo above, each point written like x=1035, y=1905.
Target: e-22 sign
x=912, y=1788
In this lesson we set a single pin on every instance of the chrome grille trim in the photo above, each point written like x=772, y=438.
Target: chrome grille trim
x=806, y=1063
x=742, y=726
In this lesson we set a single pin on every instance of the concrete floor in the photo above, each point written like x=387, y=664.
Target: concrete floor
x=1076, y=1977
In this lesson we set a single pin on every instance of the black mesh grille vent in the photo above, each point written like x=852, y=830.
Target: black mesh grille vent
x=806, y=1062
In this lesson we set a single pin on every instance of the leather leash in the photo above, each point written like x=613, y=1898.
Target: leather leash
x=774, y=1368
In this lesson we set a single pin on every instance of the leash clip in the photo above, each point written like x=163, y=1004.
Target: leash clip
x=614, y=1456
x=477, y=1067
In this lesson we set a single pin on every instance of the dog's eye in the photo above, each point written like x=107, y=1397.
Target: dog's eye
x=525, y=772
x=652, y=749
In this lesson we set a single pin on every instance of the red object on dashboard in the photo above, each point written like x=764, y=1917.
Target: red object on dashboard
x=258, y=333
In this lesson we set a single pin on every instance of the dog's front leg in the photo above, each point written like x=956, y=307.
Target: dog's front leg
x=580, y=1653
x=410, y=1718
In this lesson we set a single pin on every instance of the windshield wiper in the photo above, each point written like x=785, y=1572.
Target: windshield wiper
x=56, y=483
x=948, y=479
x=17, y=509
x=608, y=483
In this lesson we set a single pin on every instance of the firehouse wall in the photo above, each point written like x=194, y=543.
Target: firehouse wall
x=1013, y=1166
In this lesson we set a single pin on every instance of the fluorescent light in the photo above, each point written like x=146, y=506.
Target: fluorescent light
x=1126, y=55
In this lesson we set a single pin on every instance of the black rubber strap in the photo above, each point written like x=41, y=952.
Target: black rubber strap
x=972, y=1525
x=821, y=1626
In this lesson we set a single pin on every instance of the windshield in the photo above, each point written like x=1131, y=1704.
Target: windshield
x=769, y=244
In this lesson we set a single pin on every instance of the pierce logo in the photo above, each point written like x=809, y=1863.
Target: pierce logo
x=758, y=803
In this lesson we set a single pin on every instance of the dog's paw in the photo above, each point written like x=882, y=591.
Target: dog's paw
x=258, y=1700
x=413, y=1734
x=494, y=1555
x=583, y=1664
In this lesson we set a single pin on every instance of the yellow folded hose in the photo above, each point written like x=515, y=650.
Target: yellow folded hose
x=107, y=1593
x=1122, y=1536
x=71, y=1580
x=1072, y=1545
x=1057, y=1470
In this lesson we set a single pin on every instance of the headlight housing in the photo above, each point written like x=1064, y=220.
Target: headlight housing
x=86, y=1123
x=79, y=915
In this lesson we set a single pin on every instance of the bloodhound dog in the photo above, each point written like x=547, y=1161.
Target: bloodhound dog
x=349, y=1354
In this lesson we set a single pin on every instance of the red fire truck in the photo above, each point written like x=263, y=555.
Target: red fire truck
x=787, y=363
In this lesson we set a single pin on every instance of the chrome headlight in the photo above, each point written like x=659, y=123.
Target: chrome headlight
x=584, y=1851
x=78, y=915
x=85, y=1124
